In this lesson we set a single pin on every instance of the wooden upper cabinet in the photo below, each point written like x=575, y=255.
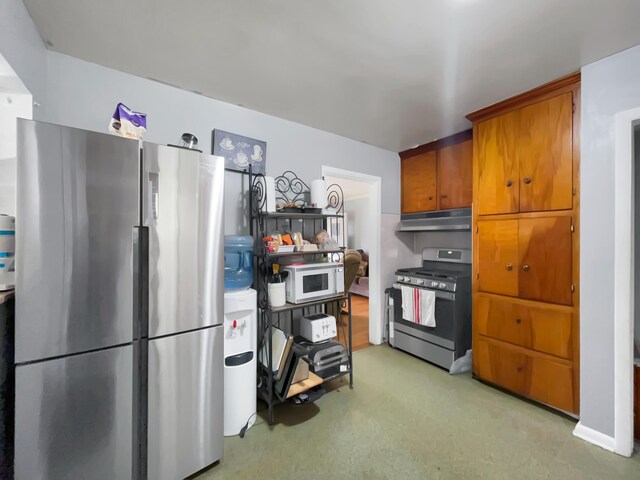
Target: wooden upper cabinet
x=455, y=175
x=498, y=256
x=497, y=164
x=419, y=183
x=545, y=272
x=545, y=154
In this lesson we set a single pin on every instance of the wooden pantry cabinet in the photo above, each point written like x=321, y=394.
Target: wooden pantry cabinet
x=438, y=175
x=526, y=244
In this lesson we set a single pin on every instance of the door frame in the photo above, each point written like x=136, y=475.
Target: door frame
x=624, y=301
x=376, y=307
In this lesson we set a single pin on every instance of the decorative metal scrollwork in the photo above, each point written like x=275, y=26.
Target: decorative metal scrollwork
x=290, y=188
x=335, y=198
x=263, y=280
x=259, y=193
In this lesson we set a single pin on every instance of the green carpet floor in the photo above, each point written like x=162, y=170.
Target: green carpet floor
x=407, y=419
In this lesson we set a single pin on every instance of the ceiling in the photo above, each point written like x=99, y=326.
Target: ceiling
x=389, y=73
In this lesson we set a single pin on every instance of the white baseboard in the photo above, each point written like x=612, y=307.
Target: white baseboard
x=593, y=436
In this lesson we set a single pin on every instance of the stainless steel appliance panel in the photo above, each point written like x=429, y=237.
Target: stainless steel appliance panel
x=73, y=417
x=78, y=200
x=182, y=206
x=425, y=350
x=185, y=415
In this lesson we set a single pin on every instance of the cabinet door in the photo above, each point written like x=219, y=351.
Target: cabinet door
x=532, y=375
x=419, y=183
x=544, y=328
x=498, y=256
x=455, y=175
x=545, y=155
x=545, y=259
x=497, y=164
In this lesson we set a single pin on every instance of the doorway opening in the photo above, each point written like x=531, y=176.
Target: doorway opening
x=626, y=276
x=362, y=208
x=635, y=325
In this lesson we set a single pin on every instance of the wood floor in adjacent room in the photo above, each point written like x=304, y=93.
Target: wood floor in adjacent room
x=360, y=322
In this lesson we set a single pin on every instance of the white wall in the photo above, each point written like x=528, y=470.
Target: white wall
x=84, y=95
x=608, y=86
x=18, y=107
x=358, y=223
x=22, y=47
x=397, y=250
x=442, y=239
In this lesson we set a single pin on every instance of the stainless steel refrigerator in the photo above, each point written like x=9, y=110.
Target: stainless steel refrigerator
x=119, y=298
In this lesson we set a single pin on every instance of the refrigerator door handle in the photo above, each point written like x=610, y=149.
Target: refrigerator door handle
x=140, y=282
x=153, y=196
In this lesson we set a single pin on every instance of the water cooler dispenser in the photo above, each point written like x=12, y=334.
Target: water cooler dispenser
x=240, y=336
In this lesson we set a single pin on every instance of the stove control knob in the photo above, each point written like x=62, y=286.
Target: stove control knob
x=400, y=279
x=420, y=282
x=434, y=284
x=443, y=285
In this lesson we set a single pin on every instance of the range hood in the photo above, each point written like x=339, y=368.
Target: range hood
x=442, y=220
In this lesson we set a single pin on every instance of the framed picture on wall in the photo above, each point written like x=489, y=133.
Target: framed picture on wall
x=239, y=151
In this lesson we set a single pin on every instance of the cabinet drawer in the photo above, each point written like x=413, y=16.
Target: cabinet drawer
x=527, y=374
x=544, y=329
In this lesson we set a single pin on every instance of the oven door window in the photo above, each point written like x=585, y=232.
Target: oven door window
x=315, y=283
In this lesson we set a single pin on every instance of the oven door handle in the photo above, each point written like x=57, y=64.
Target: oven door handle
x=440, y=295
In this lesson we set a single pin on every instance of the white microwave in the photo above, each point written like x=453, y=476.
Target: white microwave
x=313, y=281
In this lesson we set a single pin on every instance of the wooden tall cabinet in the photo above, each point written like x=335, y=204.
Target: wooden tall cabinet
x=526, y=244
x=437, y=175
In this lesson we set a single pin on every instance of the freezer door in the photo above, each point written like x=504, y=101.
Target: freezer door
x=182, y=206
x=78, y=200
x=185, y=415
x=73, y=417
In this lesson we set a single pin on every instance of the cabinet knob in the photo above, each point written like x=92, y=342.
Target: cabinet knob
x=509, y=266
x=443, y=196
x=518, y=321
x=527, y=180
x=525, y=267
x=430, y=198
x=509, y=183
x=520, y=368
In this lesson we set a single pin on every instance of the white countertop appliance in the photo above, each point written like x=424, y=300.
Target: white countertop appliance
x=318, y=327
x=313, y=281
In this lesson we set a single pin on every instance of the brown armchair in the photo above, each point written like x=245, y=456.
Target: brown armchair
x=352, y=259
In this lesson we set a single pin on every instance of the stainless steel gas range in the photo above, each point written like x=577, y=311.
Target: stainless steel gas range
x=447, y=272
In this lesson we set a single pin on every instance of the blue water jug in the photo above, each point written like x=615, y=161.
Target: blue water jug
x=238, y=262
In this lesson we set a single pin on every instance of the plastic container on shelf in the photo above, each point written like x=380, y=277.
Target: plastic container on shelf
x=238, y=262
x=277, y=294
